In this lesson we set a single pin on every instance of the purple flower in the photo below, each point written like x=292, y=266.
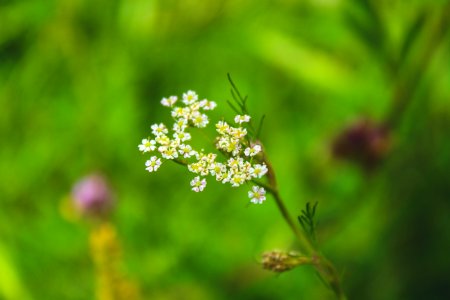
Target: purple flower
x=363, y=142
x=92, y=196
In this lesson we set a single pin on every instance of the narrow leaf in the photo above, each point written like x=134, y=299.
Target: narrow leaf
x=233, y=107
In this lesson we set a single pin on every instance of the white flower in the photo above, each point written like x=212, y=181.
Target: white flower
x=238, y=133
x=182, y=136
x=257, y=195
x=207, y=105
x=253, y=150
x=168, y=152
x=208, y=158
x=186, y=151
x=147, y=145
x=177, y=112
x=222, y=127
x=186, y=112
x=181, y=112
x=190, y=97
x=223, y=142
x=162, y=139
x=245, y=169
x=234, y=163
x=199, y=120
x=235, y=171
x=180, y=125
x=159, y=129
x=224, y=176
x=195, y=106
x=169, y=102
x=175, y=143
x=197, y=167
x=231, y=145
x=242, y=119
x=153, y=164
x=237, y=179
x=258, y=171
x=216, y=169
x=197, y=184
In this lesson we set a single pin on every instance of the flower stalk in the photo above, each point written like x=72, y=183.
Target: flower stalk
x=327, y=272
x=245, y=162
x=106, y=253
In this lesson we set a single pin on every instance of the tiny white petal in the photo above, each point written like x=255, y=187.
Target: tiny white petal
x=197, y=184
x=147, y=145
x=159, y=129
x=242, y=119
x=257, y=195
x=153, y=164
x=190, y=97
x=169, y=102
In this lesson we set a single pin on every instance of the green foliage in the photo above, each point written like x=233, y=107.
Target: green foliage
x=240, y=101
x=240, y=108
x=306, y=220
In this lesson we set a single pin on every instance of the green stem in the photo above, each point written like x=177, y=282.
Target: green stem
x=409, y=80
x=305, y=245
x=323, y=266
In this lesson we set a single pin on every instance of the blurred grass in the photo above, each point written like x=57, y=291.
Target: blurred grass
x=80, y=84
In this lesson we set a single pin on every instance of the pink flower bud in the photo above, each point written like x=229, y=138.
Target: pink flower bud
x=92, y=196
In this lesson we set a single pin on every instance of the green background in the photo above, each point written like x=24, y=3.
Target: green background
x=80, y=84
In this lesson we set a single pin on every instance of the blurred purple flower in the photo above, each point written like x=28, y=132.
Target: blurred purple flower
x=92, y=196
x=364, y=142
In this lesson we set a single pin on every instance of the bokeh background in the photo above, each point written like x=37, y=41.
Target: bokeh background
x=356, y=95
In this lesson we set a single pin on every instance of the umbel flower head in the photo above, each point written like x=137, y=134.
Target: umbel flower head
x=241, y=163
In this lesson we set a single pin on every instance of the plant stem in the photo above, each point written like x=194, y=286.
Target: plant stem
x=323, y=266
x=327, y=272
x=410, y=79
x=305, y=244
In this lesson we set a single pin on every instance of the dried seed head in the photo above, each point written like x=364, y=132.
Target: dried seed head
x=281, y=261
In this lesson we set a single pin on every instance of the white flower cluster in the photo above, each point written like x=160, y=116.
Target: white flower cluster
x=231, y=140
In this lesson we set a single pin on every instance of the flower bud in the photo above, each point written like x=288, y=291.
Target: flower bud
x=92, y=196
x=281, y=261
